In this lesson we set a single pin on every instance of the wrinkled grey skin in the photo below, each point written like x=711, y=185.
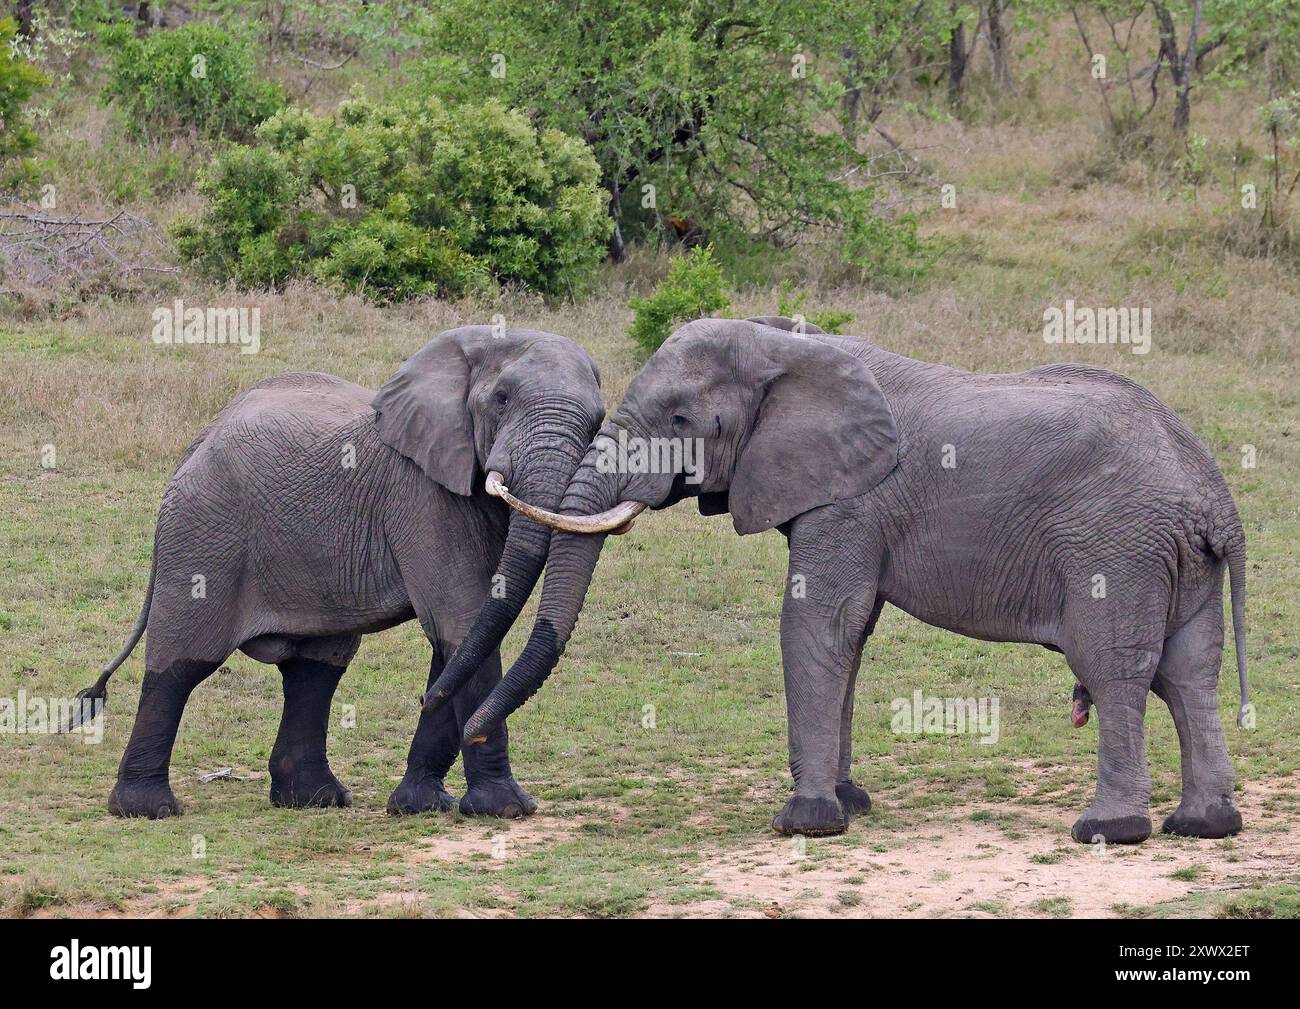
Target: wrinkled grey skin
x=313, y=511
x=984, y=504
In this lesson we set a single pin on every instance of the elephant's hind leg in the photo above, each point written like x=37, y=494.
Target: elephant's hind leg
x=1119, y=678
x=1188, y=680
x=300, y=771
x=143, y=787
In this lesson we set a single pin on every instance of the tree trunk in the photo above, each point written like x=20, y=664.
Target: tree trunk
x=999, y=71
x=24, y=11
x=851, y=104
x=956, y=63
x=617, y=248
x=1181, y=63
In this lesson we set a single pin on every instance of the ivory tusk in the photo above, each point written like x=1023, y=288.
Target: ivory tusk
x=616, y=520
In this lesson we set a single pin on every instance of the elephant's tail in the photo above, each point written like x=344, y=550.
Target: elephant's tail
x=94, y=699
x=1237, y=580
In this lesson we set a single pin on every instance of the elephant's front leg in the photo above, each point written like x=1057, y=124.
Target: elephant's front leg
x=827, y=605
x=433, y=751
x=855, y=800
x=491, y=789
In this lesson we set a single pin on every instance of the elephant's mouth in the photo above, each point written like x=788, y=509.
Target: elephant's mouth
x=682, y=488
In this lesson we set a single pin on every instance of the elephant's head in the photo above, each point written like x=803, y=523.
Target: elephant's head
x=752, y=418
x=482, y=407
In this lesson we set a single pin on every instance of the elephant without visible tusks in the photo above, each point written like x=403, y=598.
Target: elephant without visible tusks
x=1065, y=506
x=313, y=511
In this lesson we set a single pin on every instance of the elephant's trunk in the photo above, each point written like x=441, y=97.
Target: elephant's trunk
x=569, y=568
x=555, y=445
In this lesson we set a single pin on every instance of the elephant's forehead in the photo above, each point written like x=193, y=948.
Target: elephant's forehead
x=556, y=359
x=673, y=379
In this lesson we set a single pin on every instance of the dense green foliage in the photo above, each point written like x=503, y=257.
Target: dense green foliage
x=705, y=118
x=693, y=289
x=197, y=77
x=18, y=82
x=402, y=200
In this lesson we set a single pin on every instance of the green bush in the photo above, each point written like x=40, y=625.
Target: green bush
x=199, y=77
x=693, y=289
x=402, y=200
x=790, y=304
x=18, y=81
x=728, y=121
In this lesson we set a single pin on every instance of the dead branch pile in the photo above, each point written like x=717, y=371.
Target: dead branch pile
x=39, y=247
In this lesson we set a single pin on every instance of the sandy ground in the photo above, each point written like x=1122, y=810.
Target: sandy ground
x=1023, y=865
x=1015, y=860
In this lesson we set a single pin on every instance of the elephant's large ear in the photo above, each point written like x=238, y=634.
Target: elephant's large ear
x=423, y=413
x=823, y=432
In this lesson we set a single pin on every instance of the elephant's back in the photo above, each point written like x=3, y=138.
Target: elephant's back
x=280, y=416
x=305, y=395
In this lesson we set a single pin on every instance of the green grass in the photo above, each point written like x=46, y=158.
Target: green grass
x=1053, y=907
x=633, y=816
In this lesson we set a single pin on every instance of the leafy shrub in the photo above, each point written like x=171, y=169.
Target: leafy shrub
x=198, y=76
x=705, y=121
x=402, y=200
x=885, y=250
x=18, y=81
x=693, y=289
x=790, y=304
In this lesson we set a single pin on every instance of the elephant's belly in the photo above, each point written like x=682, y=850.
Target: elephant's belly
x=1014, y=608
x=1031, y=629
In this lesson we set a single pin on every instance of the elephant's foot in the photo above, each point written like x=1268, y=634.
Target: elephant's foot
x=153, y=799
x=1216, y=818
x=855, y=800
x=420, y=795
x=504, y=798
x=812, y=817
x=306, y=784
x=1113, y=826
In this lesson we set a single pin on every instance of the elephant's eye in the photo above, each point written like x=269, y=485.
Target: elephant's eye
x=502, y=397
x=679, y=422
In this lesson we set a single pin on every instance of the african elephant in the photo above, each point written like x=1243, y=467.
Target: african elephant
x=313, y=511
x=1064, y=506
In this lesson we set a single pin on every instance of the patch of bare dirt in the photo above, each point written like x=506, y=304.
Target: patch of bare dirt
x=169, y=898
x=490, y=846
x=494, y=843
x=1019, y=861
